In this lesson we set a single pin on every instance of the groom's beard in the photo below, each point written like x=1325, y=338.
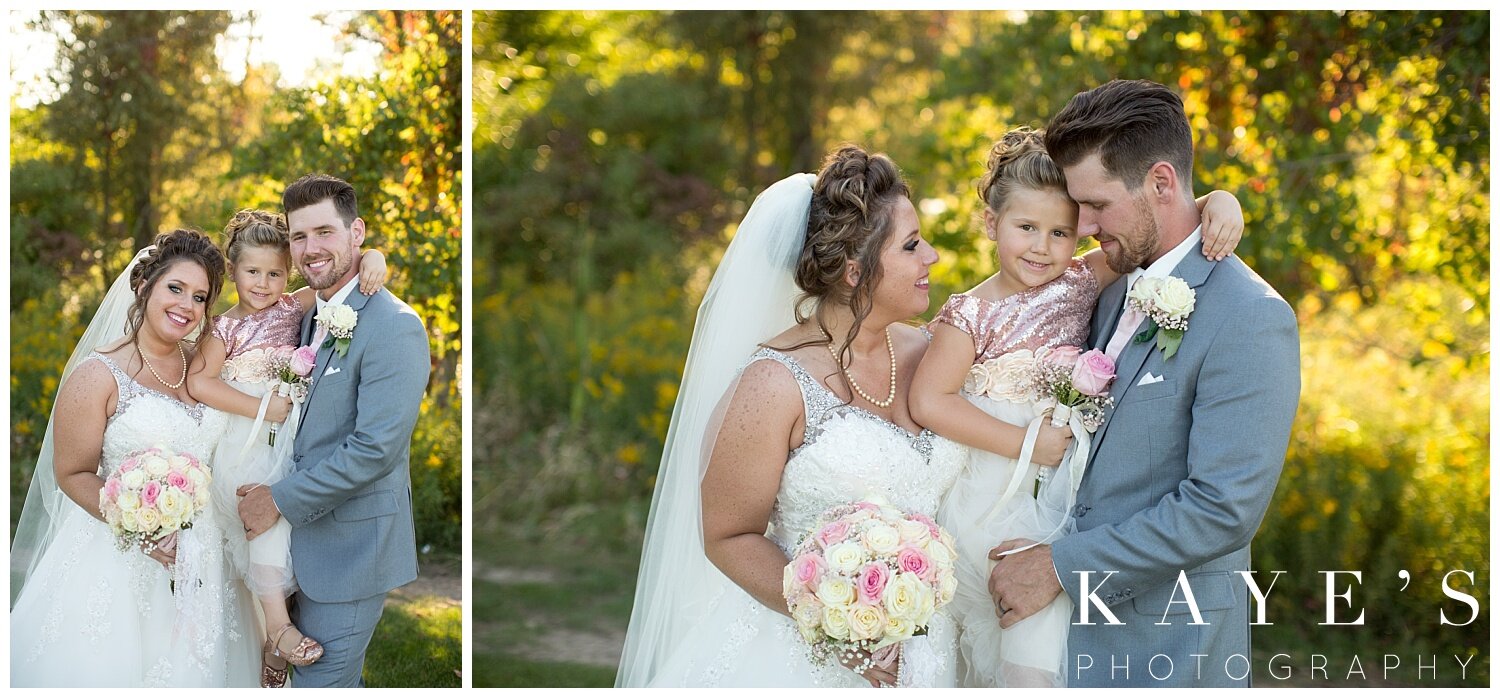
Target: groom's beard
x=1134, y=251
x=336, y=269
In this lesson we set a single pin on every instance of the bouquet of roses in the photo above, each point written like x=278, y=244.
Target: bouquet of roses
x=866, y=578
x=154, y=493
x=1078, y=381
x=292, y=367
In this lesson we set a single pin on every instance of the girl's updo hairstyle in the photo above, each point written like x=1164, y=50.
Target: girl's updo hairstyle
x=850, y=219
x=255, y=228
x=1017, y=161
x=178, y=245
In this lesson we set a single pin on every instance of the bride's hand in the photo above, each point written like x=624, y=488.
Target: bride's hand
x=163, y=550
x=1051, y=443
x=879, y=671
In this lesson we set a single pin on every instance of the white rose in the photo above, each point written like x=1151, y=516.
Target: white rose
x=1144, y=290
x=807, y=612
x=836, y=622
x=155, y=466
x=1175, y=298
x=899, y=628
x=174, y=504
x=811, y=634
x=947, y=587
x=133, y=480
x=128, y=501
x=914, y=533
x=940, y=553
x=836, y=592
x=789, y=582
x=128, y=522
x=901, y=596
x=200, y=499
x=149, y=520
x=882, y=539
x=926, y=603
x=977, y=382
x=1011, y=376
x=178, y=462
x=865, y=622
x=844, y=558
x=170, y=523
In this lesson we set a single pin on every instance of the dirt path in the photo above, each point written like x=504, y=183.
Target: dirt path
x=442, y=580
x=546, y=642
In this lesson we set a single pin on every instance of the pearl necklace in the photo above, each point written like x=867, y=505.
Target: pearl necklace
x=889, y=398
x=163, y=381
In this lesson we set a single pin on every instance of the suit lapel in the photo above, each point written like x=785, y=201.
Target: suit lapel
x=326, y=355
x=1107, y=313
x=1194, y=269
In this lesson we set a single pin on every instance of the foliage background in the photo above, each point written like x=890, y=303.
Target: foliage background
x=150, y=133
x=614, y=152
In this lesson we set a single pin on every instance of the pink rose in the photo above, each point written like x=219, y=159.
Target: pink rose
x=129, y=465
x=303, y=360
x=1093, y=373
x=834, y=532
x=178, y=480
x=808, y=568
x=916, y=562
x=150, y=492
x=871, y=583
x=1065, y=356
x=867, y=506
x=112, y=489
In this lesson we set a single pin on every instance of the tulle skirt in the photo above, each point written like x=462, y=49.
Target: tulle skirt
x=245, y=456
x=1033, y=652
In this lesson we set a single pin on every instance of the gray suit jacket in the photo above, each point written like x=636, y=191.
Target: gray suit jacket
x=348, y=497
x=1179, y=478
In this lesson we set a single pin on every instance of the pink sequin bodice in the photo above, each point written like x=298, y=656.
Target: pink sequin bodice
x=1053, y=314
x=277, y=326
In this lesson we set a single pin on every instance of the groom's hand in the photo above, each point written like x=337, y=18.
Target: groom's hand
x=1022, y=583
x=257, y=510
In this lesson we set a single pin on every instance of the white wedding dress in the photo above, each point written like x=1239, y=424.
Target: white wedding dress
x=848, y=454
x=92, y=615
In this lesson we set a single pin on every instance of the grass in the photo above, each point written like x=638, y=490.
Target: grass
x=583, y=588
x=419, y=640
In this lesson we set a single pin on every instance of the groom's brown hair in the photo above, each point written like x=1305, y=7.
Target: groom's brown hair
x=1132, y=124
x=315, y=188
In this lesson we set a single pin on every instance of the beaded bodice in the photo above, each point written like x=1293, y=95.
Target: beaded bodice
x=1052, y=314
x=279, y=325
x=849, y=454
x=145, y=417
x=251, y=342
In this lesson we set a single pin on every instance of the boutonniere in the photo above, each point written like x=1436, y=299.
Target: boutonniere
x=1167, y=304
x=338, y=320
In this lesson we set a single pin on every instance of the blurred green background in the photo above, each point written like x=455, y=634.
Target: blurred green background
x=615, y=151
x=143, y=123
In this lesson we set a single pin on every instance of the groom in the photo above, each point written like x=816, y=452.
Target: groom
x=1181, y=472
x=348, y=497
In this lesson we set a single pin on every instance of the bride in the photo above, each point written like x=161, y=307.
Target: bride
x=812, y=417
x=86, y=613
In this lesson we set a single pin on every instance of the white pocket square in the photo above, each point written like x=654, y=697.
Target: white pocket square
x=1148, y=379
x=335, y=369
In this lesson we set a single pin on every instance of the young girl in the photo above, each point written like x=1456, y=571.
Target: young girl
x=1041, y=297
x=238, y=378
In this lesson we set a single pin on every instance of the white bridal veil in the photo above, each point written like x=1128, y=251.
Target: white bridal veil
x=749, y=300
x=43, y=510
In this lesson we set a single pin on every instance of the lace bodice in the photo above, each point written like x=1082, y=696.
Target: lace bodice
x=144, y=418
x=1049, y=315
x=279, y=325
x=849, y=454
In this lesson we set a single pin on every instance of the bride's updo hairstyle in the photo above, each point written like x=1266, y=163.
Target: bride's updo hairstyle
x=178, y=245
x=1018, y=161
x=850, y=219
x=255, y=228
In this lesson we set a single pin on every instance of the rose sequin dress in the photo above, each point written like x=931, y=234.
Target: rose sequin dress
x=1032, y=652
x=245, y=454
